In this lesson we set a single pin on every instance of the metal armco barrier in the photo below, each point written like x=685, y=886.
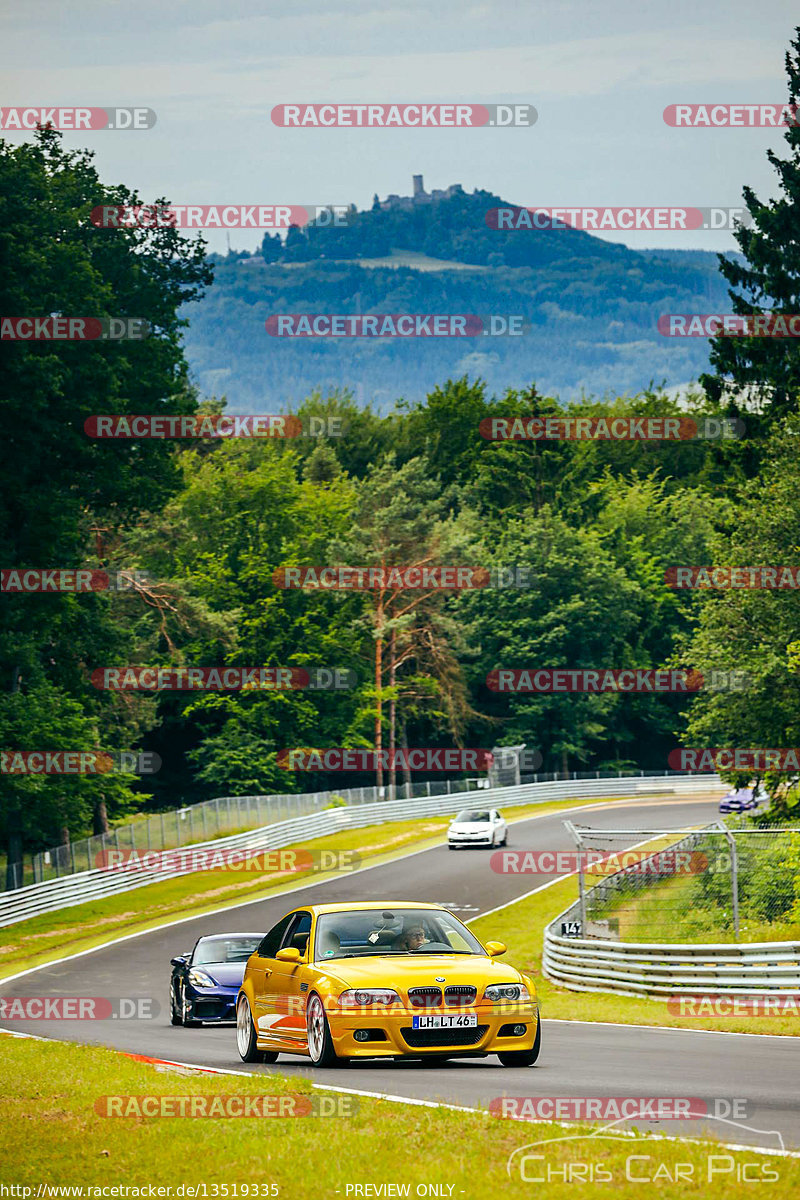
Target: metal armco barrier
x=55, y=894
x=667, y=969
x=649, y=969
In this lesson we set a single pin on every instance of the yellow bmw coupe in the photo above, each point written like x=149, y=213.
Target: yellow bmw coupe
x=394, y=980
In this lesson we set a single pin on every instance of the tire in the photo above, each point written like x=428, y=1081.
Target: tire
x=186, y=1020
x=246, y=1036
x=320, y=1043
x=524, y=1058
x=175, y=1015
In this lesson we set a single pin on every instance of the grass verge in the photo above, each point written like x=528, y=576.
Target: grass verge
x=53, y=1135
x=522, y=925
x=84, y=926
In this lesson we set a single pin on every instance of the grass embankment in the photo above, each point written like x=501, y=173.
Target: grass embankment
x=53, y=1134
x=671, y=911
x=521, y=927
x=84, y=926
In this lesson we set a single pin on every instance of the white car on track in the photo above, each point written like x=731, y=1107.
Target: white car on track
x=477, y=827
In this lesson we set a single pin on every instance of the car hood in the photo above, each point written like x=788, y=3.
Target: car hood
x=416, y=970
x=225, y=974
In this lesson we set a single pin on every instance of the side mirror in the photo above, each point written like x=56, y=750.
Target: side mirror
x=292, y=954
x=495, y=949
x=180, y=960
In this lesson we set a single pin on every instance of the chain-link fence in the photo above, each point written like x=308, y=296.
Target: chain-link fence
x=236, y=814
x=710, y=884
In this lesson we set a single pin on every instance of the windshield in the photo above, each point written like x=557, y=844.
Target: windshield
x=383, y=931
x=473, y=814
x=222, y=950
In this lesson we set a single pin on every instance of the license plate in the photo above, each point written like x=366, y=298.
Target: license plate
x=445, y=1021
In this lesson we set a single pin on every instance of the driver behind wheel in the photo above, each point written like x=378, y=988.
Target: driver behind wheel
x=412, y=938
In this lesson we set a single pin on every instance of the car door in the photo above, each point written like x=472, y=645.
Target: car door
x=260, y=970
x=288, y=982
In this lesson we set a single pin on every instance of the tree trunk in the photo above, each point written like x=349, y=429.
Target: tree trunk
x=392, y=712
x=564, y=764
x=379, y=694
x=404, y=747
x=100, y=817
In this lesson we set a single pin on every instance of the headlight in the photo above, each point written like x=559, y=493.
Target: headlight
x=506, y=991
x=360, y=997
x=199, y=979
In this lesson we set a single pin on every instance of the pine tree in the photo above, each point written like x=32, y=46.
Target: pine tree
x=765, y=370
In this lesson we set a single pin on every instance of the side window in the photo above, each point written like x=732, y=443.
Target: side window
x=297, y=933
x=270, y=943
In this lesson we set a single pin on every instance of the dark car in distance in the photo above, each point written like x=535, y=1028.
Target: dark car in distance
x=739, y=800
x=206, y=980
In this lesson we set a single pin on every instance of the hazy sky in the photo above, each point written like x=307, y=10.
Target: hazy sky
x=599, y=72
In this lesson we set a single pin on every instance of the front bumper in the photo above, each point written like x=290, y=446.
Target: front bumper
x=391, y=1033
x=470, y=839
x=213, y=1005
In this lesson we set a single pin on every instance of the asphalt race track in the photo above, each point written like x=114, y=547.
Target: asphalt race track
x=578, y=1059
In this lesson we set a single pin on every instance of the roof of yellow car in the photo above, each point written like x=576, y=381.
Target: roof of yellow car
x=366, y=905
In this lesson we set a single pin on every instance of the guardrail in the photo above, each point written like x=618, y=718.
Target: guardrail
x=667, y=969
x=70, y=890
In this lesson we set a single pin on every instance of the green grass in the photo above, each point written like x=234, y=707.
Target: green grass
x=53, y=1134
x=84, y=926
x=671, y=911
x=521, y=927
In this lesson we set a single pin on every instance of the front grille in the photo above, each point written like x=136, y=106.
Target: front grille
x=460, y=993
x=424, y=997
x=428, y=1038
x=206, y=1010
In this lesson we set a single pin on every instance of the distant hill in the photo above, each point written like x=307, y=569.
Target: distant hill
x=590, y=308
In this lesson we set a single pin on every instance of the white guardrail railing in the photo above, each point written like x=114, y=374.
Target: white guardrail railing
x=667, y=969
x=70, y=890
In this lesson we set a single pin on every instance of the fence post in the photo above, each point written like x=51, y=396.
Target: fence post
x=163, y=835
x=734, y=876
x=572, y=831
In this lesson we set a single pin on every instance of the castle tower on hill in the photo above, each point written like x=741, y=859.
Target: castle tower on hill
x=419, y=195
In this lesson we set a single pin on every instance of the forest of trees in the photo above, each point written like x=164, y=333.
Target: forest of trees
x=596, y=524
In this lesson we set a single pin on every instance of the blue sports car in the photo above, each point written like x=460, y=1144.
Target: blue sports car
x=739, y=800
x=205, y=981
